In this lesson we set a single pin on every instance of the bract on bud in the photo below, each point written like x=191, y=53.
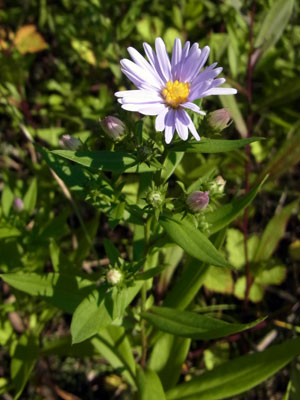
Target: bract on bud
x=114, y=276
x=69, y=142
x=155, y=198
x=113, y=127
x=198, y=201
x=18, y=204
x=221, y=183
x=219, y=119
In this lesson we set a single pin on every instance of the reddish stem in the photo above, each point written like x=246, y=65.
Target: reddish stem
x=250, y=68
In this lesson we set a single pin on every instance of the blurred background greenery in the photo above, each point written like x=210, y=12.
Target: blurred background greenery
x=59, y=69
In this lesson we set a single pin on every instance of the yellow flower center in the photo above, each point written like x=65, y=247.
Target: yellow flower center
x=176, y=93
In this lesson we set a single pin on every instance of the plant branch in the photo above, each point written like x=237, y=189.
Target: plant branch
x=250, y=69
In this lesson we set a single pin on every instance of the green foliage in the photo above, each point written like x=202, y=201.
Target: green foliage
x=200, y=296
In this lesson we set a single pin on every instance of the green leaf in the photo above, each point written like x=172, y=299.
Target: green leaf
x=172, y=160
x=149, y=385
x=219, y=280
x=105, y=160
x=271, y=276
x=238, y=375
x=99, y=309
x=191, y=279
x=191, y=325
x=273, y=232
x=73, y=176
x=213, y=145
x=63, y=347
x=195, y=243
x=167, y=357
x=287, y=157
x=114, y=345
x=274, y=23
x=31, y=196
x=64, y=291
x=216, y=355
x=7, y=232
x=256, y=292
x=23, y=359
x=111, y=252
x=236, y=250
x=149, y=274
x=7, y=198
x=222, y=216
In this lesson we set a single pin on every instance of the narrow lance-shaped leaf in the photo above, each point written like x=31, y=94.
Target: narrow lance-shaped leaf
x=273, y=233
x=274, y=23
x=149, y=385
x=194, y=242
x=114, y=345
x=238, y=375
x=188, y=285
x=167, y=358
x=213, y=145
x=191, y=325
x=31, y=196
x=105, y=160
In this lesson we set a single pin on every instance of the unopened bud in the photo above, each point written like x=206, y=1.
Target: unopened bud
x=219, y=119
x=69, y=142
x=198, y=201
x=216, y=187
x=221, y=183
x=18, y=204
x=113, y=127
x=155, y=198
x=114, y=276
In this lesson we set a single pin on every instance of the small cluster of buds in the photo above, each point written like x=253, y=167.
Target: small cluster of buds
x=155, y=198
x=114, y=276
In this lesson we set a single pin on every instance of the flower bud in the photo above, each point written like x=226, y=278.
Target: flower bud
x=198, y=201
x=69, y=142
x=18, y=204
x=114, y=276
x=216, y=187
x=113, y=127
x=155, y=198
x=221, y=183
x=219, y=119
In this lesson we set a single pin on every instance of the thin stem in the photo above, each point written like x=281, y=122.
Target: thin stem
x=250, y=68
x=144, y=296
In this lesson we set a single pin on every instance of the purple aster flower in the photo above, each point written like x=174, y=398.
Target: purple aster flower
x=167, y=89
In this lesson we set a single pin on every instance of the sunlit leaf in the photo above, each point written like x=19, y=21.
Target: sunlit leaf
x=238, y=375
x=28, y=40
x=191, y=325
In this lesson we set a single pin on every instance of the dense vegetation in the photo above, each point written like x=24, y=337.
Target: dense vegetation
x=112, y=284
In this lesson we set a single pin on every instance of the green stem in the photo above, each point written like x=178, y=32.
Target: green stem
x=144, y=295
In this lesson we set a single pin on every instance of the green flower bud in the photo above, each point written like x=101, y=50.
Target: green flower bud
x=18, y=204
x=113, y=127
x=219, y=119
x=198, y=201
x=114, y=276
x=155, y=198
